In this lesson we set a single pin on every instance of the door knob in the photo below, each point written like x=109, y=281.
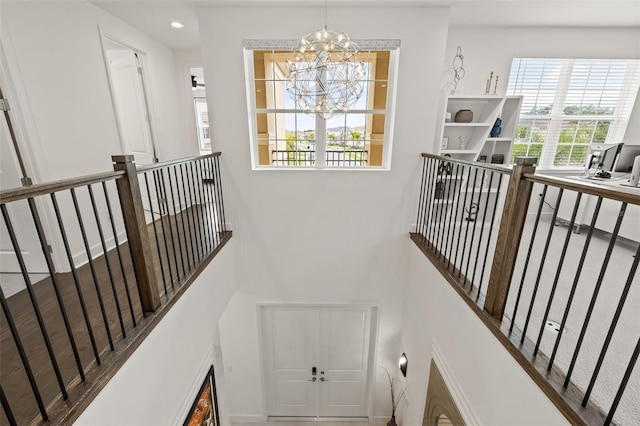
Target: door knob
x=322, y=379
x=313, y=379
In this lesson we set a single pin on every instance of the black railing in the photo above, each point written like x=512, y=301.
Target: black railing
x=306, y=158
x=552, y=272
x=126, y=253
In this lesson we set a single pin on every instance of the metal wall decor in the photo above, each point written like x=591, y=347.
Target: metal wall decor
x=458, y=69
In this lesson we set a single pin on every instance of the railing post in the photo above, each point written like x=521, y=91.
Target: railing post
x=514, y=215
x=136, y=226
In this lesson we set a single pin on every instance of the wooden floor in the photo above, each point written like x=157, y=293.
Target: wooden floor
x=15, y=383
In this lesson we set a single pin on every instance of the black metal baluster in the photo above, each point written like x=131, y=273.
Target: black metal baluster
x=440, y=204
x=484, y=218
x=558, y=271
x=623, y=384
x=473, y=233
x=213, y=231
x=106, y=259
x=466, y=232
x=447, y=208
x=54, y=282
x=163, y=190
x=23, y=354
x=221, y=198
x=155, y=231
x=189, y=213
x=191, y=181
x=575, y=281
x=185, y=213
x=117, y=243
x=526, y=262
x=612, y=327
x=164, y=232
x=486, y=249
x=464, y=202
x=596, y=290
x=456, y=223
x=92, y=266
x=175, y=214
x=76, y=279
x=542, y=262
x=456, y=195
x=7, y=408
x=211, y=186
x=421, y=196
x=432, y=200
x=34, y=301
x=203, y=208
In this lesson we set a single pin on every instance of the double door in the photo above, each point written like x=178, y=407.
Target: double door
x=316, y=361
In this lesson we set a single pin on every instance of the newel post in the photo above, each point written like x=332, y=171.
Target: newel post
x=514, y=215
x=136, y=226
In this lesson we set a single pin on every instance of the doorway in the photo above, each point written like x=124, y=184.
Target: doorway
x=316, y=360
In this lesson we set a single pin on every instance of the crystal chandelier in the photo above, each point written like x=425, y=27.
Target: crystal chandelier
x=325, y=74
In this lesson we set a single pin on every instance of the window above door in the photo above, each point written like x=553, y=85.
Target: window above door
x=283, y=136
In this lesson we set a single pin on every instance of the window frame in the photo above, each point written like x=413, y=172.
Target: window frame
x=557, y=117
x=392, y=46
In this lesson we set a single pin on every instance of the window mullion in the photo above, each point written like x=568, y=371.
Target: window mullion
x=557, y=116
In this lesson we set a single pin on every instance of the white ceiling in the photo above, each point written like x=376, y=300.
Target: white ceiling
x=153, y=16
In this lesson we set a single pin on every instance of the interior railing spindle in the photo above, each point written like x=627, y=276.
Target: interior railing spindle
x=493, y=220
x=484, y=218
x=175, y=217
x=162, y=228
x=623, y=384
x=155, y=231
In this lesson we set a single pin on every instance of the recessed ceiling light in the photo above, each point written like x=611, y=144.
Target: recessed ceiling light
x=176, y=24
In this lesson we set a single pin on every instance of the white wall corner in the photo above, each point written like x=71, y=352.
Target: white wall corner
x=457, y=393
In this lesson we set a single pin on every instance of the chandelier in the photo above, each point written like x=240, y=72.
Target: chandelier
x=325, y=74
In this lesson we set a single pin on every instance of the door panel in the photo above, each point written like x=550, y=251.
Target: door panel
x=336, y=341
x=344, y=333
x=290, y=354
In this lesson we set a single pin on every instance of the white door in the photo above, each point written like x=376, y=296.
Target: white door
x=19, y=214
x=316, y=361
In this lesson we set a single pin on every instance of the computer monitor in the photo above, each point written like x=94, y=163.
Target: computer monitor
x=603, y=156
x=626, y=157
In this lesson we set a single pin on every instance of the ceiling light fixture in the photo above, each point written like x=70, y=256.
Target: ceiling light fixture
x=176, y=24
x=325, y=74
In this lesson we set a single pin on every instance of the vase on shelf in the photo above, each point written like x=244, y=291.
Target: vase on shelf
x=392, y=421
x=496, y=130
x=463, y=116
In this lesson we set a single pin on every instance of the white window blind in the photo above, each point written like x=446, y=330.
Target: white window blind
x=569, y=104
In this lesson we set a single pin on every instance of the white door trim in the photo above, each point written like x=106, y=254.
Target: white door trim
x=374, y=322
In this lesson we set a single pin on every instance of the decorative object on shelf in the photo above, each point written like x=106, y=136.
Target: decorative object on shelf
x=463, y=141
x=497, y=128
x=447, y=117
x=458, y=69
x=444, y=168
x=482, y=159
x=396, y=396
x=495, y=88
x=497, y=159
x=402, y=364
x=488, y=87
x=463, y=116
x=472, y=212
x=439, y=194
x=325, y=74
x=445, y=142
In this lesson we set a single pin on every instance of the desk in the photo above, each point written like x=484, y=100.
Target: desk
x=609, y=210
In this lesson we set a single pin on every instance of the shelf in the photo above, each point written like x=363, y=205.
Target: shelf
x=452, y=124
x=458, y=151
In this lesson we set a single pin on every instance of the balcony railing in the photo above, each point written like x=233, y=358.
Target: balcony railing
x=306, y=158
x=133, y=240
x=549, y=265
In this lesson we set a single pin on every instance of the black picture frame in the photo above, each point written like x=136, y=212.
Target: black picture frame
x=204, y=410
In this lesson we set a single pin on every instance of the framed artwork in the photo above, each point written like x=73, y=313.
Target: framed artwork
x=204, y=411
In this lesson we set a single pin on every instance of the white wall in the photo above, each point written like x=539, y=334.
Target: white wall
x=318, y=236
x=158, y=384
x=488, y=385
x=492, y=49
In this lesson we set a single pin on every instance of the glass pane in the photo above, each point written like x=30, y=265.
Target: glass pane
x=600, y=135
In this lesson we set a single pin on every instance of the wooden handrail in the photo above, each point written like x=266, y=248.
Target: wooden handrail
x=487, y=166
x=23, y=192
x=626, y=195
x=146, y=168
